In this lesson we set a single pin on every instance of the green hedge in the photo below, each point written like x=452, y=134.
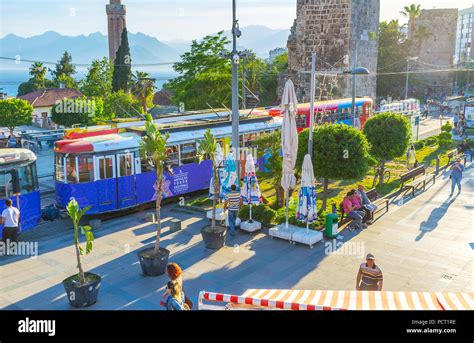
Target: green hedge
x=431, y=141
x=445, y=139
x=447, y=127
x=261, y=213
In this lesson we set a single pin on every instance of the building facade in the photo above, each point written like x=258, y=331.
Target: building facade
x=435, y=50
x=116, y=22
x=43, y=101
x=464, y=34
x=344, y=35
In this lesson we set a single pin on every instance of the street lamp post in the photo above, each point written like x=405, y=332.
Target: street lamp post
x=235, y=87
x=313, y=94
x=354, y=72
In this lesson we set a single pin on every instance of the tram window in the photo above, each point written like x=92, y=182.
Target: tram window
x=59, y=168
x=173, y=156
x=86, y=168
x=106, y=168
x=26, y=177
x=188, y=153
x=125, y=163
x=301, y=121
x=6, y=185
x=71, y=170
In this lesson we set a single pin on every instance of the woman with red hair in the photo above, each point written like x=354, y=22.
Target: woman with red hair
x=174, y=272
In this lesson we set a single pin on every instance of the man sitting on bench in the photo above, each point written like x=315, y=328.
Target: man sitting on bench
x=352, y=213
x=366, y=201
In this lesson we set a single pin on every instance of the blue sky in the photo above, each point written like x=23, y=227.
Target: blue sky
x=165, y=19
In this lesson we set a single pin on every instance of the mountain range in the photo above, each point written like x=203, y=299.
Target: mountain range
x=145, y=49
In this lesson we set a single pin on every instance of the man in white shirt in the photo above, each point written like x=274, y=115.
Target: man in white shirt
x=9, y=219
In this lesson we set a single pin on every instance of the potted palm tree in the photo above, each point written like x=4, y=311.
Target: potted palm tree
x=153, y=147
x=82, y=289
x=213, y=235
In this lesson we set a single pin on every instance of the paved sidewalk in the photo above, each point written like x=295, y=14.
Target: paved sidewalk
x=424, y=245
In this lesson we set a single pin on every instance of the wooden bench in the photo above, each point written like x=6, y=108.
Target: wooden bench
x=416, y=183
x=382, y=205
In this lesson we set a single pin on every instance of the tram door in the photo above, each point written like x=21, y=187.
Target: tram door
x=106, y=183
x=126, y=192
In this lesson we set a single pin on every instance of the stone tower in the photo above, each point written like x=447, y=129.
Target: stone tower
x=344, y=34
x=116, y=23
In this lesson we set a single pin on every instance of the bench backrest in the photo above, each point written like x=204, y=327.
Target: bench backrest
x=412, y=174
x=372, y=194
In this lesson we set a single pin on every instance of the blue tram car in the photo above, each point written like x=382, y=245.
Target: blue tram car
x=104, y=170
x=19, y=182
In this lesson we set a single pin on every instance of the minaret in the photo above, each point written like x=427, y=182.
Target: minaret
x=116, y=23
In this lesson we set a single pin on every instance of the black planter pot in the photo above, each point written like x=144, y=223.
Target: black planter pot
x=213, y=239
x=153, y=265
x=85, y=295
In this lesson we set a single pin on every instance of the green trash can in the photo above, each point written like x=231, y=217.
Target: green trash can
x=332, y=225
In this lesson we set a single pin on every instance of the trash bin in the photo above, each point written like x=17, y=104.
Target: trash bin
x=332, y=225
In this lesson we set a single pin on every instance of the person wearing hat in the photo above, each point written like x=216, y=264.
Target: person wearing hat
x=370, y=277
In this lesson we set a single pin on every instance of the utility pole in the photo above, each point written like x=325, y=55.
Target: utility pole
x=353, y=106
x=311, y=111
x=408, y=75
x=235, y=88
x=244, y=91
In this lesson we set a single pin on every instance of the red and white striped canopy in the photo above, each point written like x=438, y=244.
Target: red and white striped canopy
x=346, y=300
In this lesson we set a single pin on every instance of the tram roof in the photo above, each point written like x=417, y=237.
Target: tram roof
x=99, y=143
x=11, y=156
x=113, y=141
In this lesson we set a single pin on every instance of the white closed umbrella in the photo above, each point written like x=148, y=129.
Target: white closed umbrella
x=251, y=194
x=289, y=140
x=307, y=211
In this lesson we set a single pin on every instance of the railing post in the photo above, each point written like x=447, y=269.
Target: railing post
x=437, y=165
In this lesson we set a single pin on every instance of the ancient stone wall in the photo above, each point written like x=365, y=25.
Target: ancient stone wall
x=435, y=50
x=333, y=29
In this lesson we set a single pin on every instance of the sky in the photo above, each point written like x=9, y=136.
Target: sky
x=168, y=20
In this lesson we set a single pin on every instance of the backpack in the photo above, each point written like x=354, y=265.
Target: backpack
x=171, y=302
x=50, y=213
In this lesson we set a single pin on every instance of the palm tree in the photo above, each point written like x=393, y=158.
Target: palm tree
x=208, y=148
x=38, y=72
x=412, y=12
x=143, y=87
x=153, y=148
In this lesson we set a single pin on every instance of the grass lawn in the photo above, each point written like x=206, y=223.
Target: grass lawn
x=337, y=189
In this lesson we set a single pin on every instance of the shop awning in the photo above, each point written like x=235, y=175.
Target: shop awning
x=326, y=300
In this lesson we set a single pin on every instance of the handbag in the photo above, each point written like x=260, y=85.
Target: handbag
x=188, y=302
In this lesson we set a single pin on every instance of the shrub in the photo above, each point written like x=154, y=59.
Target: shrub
x=447, y=127
x=261, y=213
x=431, y=141
x=419, y=145
x=445, y=139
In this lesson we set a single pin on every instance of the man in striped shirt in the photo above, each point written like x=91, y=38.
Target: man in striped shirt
x=370, y=277
x=232, y=204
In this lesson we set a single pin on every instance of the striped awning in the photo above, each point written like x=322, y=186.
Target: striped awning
x=456, y=301
x=315, y=300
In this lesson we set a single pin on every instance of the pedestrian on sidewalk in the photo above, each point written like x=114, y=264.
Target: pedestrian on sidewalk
x=411, y=157
x=370, y=276
x=175, y=274
x=456, y=175
x=456, y=120
x=426, y=111
x=10, y=220
x=232, y=205
x=174, y=300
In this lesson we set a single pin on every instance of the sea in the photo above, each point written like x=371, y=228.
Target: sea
x=11, y=78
